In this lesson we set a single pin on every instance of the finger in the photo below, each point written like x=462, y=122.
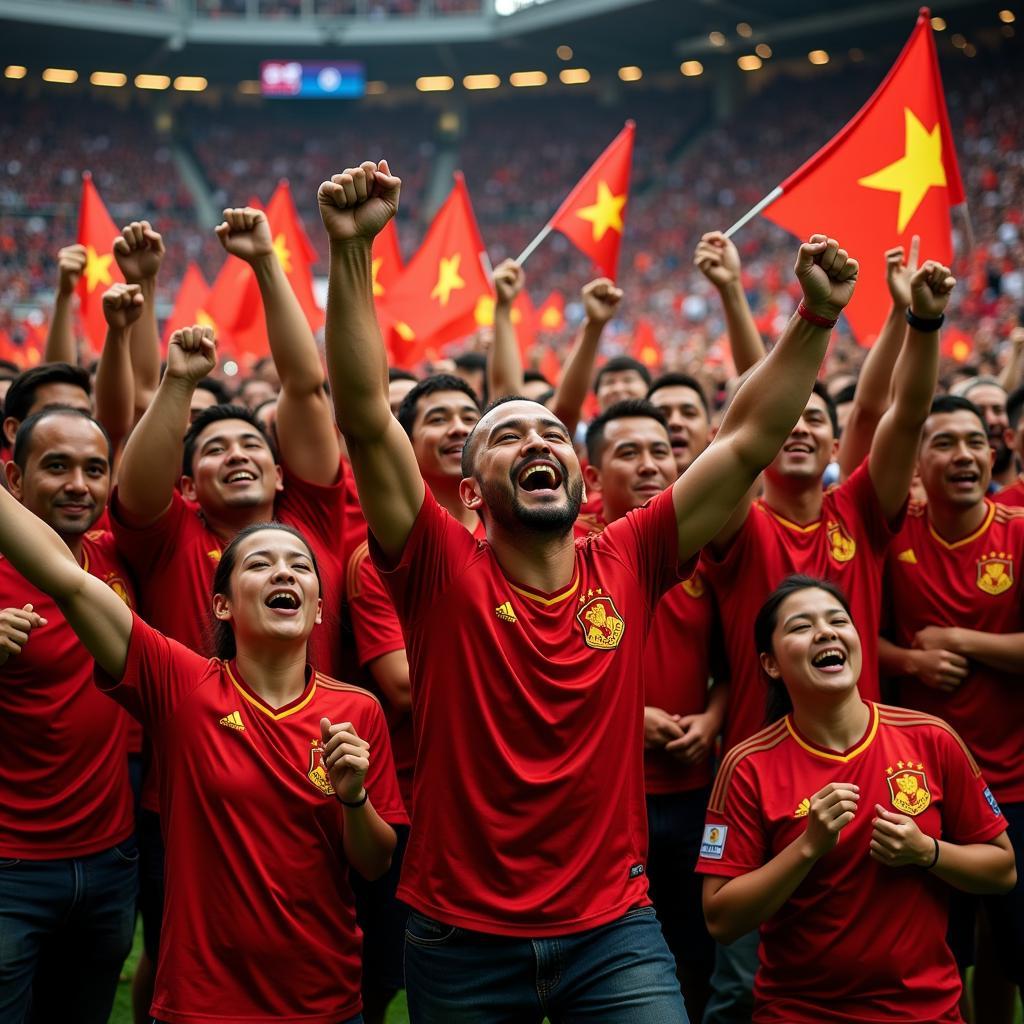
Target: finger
x=844, y=819
x=7, y=644
x=349, y=187
x=359, y=765
x=828, y=257
x=362, y=183
x=915, y=249
x=884, y=827
x=807, y=253
x=880, y=852
x=839, y=263
x=325, y=729
x=850, y=271
x=894, y=256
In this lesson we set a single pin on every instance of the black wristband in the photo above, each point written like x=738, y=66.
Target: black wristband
x=355, y=803
x=924, y=324
x=935, y=859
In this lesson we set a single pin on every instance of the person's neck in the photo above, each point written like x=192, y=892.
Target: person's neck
x=446, y=493
x=797, y=499
x=226, y=526
x=835, y=725
x=277, y=674
x=953, y=522
x=541, y=561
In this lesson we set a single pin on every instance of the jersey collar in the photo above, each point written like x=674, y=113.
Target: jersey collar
x=985, y=524
x=260, y=704
x=846, y=756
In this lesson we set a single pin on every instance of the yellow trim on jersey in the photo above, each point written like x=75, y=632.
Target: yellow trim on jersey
x=548, y=601
x=260, y=706
x=986, y=523
x=841, y=758
x=789, y=522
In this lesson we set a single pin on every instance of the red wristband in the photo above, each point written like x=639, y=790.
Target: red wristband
x=813, y=318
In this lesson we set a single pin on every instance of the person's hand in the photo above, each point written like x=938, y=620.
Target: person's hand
x=346, y=757
x=935, y=659
x=897, y=841
x=827, y=275
x=71, y=262
x=832, y=809
x=245, y=233
x=15, y=626
x=508, y=282
x=139, y=251
x=191, y=353
x=122, y=305
x=930, y=289
x=357, y=203
x=1017, y=339
x=694, y=745
x=660, y=728
x=898, y=273
x=717, y=259
x=600, y=300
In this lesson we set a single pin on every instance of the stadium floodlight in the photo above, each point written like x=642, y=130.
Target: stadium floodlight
x=435, y=83
x=630, y=73
x=110, y=79
x=62, y=76
x=157, y=82
x=744, y=29
x=1007, y=17
x=749, y=62
x=574, y=76
x=481, y=82
x=763, y=50
x=564, y=52
x=939, y=24
x=190, y=83
x=15, y=71
x=818, y=57
x=527, y=79
x=691, y=68
x=716, y=38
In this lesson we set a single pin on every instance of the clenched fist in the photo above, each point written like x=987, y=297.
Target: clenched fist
x=245, y=233
x=71, y=262
x=930, y=289
x=827, y=275
x=346, y=757
x=15, y=626
x=191, y=354
x=600, y=300
x=122, y=305
x=508, y=281
x=139, y=251
x=717, y=259
x=356, y=204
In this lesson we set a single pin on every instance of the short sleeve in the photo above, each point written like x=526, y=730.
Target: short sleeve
x=856, y=500
x=374, y=622
x=158, y=673
x=734, y=841
x=381, y=781
x=318, y=510
x=719, y=566
x=144, y=548
x=970, y=813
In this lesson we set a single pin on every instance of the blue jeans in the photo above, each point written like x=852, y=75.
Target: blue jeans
x=732, y=984
x=620, y=973
x=65, y=929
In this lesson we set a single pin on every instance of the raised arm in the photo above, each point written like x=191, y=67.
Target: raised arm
x=1010, y=378
x=139, y=253
x=60, y=339
x=504, y=363
x=768, y=402
x=718, y=260
x=894, y=448
x=600, y=300
x=102, y=621
x=151, y=464
x=123, y=306
x=305, y=425
x=355, y=206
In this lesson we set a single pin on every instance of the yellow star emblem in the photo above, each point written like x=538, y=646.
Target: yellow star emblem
x=605, y=213
x=551, y=317
x=919, y=169
x=448, y=279
x=205, y=320
x=283, y=255
x=97, y=269
x=378, y=288
x=484, y=312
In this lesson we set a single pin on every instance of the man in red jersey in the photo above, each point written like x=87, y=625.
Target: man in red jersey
x=1013, y=493
x=69, y=878
x=525, y=864
x=630, y=460
x=958, y=625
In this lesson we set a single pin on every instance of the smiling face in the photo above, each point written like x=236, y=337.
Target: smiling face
x=688, y=425
x=955, y=459
x=810, y=447
x=525, y=473
x=442, y=424
x=618, y=385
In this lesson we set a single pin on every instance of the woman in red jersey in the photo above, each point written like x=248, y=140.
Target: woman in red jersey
x=838, y=829
x=268, y=769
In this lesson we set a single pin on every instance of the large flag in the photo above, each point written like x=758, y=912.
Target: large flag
x=294, y=251
x=434, y=300
x=96, y=231
x=889, y=174
x=592, y=216
x=524, y=320
x=645, y=346
x=387, y=268
x=551, y=314
x=189, y=303
x=234, y=309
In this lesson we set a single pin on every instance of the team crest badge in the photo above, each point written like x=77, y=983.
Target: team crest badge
x=694, y=586
x=601, y=622
x=995, y=573
x=119, y=587
x=908, y=789
x=317, y=773
x=843, y=547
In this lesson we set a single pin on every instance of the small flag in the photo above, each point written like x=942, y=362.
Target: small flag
x=96, y=231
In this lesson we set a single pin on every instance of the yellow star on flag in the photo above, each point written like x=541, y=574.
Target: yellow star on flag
x=605, y=213
x=919, y=169
x=378, y=288
x=283, y=255
x=97, y=269
x=551, y=318
x=448, y=279
x=205, y=320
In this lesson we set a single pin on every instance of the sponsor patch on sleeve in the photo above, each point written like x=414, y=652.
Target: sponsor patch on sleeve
x=991, y=801
x=713, y=844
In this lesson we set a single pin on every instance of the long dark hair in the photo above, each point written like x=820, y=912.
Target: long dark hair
x=778, y=704
x=222, y=635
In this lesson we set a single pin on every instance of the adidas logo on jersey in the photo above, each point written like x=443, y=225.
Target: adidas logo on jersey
x=233, y=721
x=804, y=809
x=505, y=612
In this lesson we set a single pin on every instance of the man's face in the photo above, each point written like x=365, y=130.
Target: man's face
x=618, y=385
x=201, y=399
x=955, y=460
x=66, y=479
x=442, y=424
x=474, y=378
x=688, y=426
x=48, y=395
x=255, y=392
x=810, y=447
x=397, y=390
x=991, y=400
x=233, y=468
x=525, y=471
x=636, y=464
x=533, y=389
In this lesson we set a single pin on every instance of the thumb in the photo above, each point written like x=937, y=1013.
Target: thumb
x=889, y=815
x=805, y=257
x=325, y=729
x=26, y=608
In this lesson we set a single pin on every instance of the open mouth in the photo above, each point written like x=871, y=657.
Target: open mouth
x=240, y=476
x=965, y=477
x=283, y=600
x=453, y=449
x=540, y=476
x=798, y=448
x=832, y=659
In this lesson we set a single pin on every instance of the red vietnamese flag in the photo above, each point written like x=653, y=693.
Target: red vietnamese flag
x=889, y=174
x=234, y=309
x=191, y=297
x=434, y=300
x=96, y=231
x=644, y=346
x=294, y=251
x=387, y=268
x=957, y=344
x=524, y=320
x=551, y=315
x=592, y=215
x=551, y=367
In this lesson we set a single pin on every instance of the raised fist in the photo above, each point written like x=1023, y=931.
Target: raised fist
x=139, y=251
x=898, y=273
x=930, y=289
x=827, y=275
x=245, y=233
x=508, y=281
x=600, y=300
x=717, y=259
x=71, y=262
x=357, y=203
x=122, y=305
x=15, y=626
x=191, y=354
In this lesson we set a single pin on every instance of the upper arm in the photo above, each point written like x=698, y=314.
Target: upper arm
x=892, y=462
x=307, y=435
x=391, y=673
x=102, y=621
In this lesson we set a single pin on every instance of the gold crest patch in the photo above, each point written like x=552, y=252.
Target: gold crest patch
x=694, y=586
x=601, y=622
x=317, y=773
x=843, y=548
x=908, y=789
x=119, y=587
x=995, y=572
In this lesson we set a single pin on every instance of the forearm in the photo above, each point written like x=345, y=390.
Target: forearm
x=60, y=339
x=1009, y=379
x=915, y=378
x=504, y=363
x=894, y=660
x=1001, y=651
x=744, y=338
x=369, y=841
x=115, y=385
x=980, y=868
x=572, y=389
x=145, y=350
x=718, y=701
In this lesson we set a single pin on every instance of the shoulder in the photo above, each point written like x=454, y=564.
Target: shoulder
x=359, y=557
x=942, y=733
x=1010, y=516
x=741, y=757
x=352, y=698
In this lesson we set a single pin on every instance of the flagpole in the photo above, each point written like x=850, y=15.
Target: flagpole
x=752, y=213
x=529, y=250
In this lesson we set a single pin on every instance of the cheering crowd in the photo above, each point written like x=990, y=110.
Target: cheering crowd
x=363, y=680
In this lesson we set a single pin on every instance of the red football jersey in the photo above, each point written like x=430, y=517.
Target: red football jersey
x=971, y=583
x=259, y=919
x=857, y=941
x=64, y=789
x=1011, y=495
x=846, y=545
x=528, y=789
